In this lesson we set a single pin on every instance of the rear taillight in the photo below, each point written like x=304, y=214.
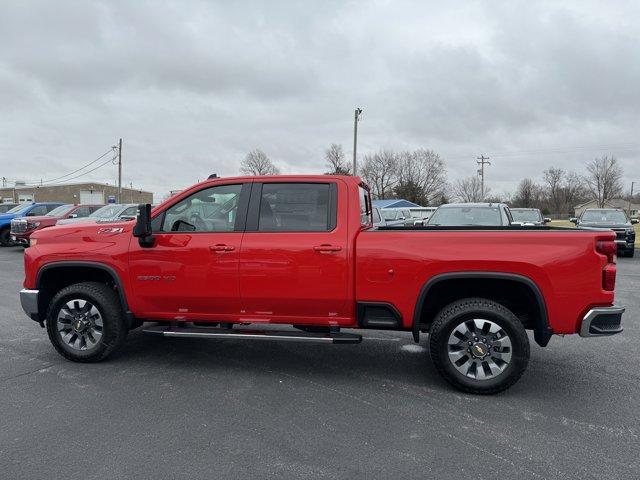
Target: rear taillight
x=609, y=277
x=608, y=248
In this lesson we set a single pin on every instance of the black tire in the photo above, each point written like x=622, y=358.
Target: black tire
x=114, y=328
x=5, y=237
x=453, y=316
x=631, y=252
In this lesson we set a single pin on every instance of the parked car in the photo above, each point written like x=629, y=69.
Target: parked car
x=378, y=221
x=614, y=219
x=5, y=207
x=466, y=214
x=113, y=211
x=302, y=255
x=396, y=217
x=528, y=216
x=23, y=210
x=23, y=227
x=420, y=215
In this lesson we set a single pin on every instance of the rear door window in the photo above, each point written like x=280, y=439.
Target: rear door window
x=296, y=207
x=82, y=212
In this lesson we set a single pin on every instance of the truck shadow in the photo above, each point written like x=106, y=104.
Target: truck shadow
x=393, y=361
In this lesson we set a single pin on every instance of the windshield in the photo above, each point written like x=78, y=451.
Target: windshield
x=604, y=216
x=108, y=211
x=60, y=211
x=454, y=216
x=389, y=214
x=526, y=215
x=19, y=208
x=376, y=216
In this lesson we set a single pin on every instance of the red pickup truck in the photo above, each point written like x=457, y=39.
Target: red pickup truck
x=227, y=256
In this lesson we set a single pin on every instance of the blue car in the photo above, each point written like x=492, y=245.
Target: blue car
x=23, y=210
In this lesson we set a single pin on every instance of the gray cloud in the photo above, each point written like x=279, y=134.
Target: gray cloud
x=192, y=86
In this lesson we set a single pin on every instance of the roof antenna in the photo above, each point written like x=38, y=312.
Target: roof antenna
x=213, y=175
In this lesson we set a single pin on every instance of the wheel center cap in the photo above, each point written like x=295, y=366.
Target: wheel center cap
x=479, y=350
x=79, y=326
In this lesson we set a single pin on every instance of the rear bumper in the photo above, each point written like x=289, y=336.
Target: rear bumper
x=29, y=302
x=602, y=321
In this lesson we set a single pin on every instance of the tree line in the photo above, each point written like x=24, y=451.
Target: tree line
x=420, y=176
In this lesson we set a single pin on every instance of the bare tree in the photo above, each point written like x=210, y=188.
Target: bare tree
x=528, y=195
x=257, y=163
x=422, y=176
x=334, y=155
x=469, y=190
x=555, y=178
x=604, y=179
x=379, y=171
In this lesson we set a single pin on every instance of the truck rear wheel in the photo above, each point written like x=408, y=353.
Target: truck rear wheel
x=479, y=346
x=85, y=322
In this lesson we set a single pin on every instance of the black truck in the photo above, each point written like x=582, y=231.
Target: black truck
x=616, y=220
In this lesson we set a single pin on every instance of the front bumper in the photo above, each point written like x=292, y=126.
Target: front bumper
x=19, y=239
x=29, y=302
x=602, y=321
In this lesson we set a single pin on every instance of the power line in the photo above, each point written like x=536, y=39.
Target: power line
x=42, y=182
x=83, y=173
x=559, y=150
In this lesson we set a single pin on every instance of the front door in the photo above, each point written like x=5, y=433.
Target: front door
x=192, y=270
x=294, y=256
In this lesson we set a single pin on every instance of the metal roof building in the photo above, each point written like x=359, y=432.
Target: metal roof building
x=394, y=203
x=86, y=192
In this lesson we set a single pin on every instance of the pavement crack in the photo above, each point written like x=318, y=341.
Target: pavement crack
x=24, y=374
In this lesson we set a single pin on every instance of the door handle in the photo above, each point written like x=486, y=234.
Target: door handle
x=221, y=247
x=325, y=248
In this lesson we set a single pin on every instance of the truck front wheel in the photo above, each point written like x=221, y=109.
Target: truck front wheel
x=85, y=322
x=479, y=346
x=5, y=237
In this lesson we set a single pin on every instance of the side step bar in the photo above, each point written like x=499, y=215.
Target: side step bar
x=246, y=334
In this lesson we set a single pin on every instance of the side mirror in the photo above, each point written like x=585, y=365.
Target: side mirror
x=634, y=221
x=73, y=215
x=573, y=220
x=142, y=228
x=547, y=220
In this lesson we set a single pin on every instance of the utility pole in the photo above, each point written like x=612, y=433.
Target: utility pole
x=482, y=161
x=630, y=198
x=120, y=171
x=356, y=119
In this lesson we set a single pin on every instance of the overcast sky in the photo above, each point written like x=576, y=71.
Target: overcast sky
x=192, y=86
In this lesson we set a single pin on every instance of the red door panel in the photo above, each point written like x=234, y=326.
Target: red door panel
x=187, y=275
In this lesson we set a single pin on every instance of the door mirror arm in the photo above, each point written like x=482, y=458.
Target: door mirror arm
x=142, y=228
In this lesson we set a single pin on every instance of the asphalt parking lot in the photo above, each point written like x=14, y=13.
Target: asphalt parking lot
x=177, y=408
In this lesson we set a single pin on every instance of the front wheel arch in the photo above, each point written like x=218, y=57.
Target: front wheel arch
x=55, y=276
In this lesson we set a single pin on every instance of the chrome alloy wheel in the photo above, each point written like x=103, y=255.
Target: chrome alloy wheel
x=479, y=349
x=80, y=325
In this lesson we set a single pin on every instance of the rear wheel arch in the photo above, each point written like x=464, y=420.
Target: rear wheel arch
x=491, y=285
x=55, y=276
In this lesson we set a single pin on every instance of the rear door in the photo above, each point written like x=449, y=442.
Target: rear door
x=294, y=255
